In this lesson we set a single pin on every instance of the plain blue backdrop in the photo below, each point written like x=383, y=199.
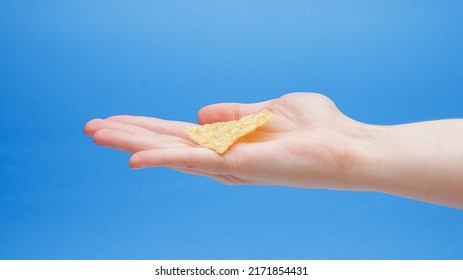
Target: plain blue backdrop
x=63, y=63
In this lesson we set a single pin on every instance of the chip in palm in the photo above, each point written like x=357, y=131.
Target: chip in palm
x=220, y=136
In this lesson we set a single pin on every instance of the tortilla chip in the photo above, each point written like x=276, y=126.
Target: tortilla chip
x=220, y=136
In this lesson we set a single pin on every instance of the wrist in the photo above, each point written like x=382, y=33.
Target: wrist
x=363, y=156
x=370, y=150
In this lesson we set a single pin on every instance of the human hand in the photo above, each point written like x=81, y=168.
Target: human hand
x=309, y=143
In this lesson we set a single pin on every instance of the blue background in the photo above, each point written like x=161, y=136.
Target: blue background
x=65, y=62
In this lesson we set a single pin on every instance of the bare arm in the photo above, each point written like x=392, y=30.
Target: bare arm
x=421, y=160
x=309, y=144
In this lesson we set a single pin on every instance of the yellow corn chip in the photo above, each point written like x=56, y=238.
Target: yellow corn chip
x=220, y=136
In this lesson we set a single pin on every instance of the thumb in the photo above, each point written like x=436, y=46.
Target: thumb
x=223, y=112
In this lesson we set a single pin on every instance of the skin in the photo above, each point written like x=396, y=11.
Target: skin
x=308, y=144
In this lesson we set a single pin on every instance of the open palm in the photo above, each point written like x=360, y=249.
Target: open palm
x=304, y=145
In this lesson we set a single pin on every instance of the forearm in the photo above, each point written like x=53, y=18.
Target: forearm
x=423, y=161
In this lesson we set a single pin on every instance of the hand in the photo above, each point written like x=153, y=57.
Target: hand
x=307, y=144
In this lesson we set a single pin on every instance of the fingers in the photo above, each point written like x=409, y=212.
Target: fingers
x=192, y=158
x=129, y=138
x=129, y=142
x=230, y=111
x=159, y=126
x=94, y=125
x=122, y=140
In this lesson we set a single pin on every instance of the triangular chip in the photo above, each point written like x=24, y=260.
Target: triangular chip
x=220, y=136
